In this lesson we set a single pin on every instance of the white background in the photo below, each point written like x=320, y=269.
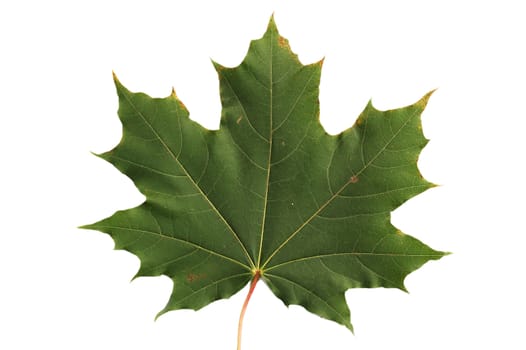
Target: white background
x=65, y=288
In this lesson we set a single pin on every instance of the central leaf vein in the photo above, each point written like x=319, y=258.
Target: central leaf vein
x=269, y=160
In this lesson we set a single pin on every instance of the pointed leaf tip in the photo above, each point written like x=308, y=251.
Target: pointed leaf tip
x=159, y=314
x=117, y=82
x=217, y=66
x=425, y=99
x=272, y=27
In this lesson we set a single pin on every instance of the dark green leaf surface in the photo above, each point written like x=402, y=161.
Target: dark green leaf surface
x=269, y=191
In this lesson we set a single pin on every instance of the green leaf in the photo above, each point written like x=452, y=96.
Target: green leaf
x=270, y=193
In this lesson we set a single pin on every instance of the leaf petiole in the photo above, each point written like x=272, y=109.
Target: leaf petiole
x=255, y=279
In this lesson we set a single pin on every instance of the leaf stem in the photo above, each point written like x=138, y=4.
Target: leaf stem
x=255, y=280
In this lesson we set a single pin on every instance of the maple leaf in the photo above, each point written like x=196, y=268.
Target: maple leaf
x=270, y=195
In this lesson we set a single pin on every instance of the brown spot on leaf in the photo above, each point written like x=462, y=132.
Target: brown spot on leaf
x=239, y=119
x=354, y=179
x=194, y=277
x=181, y=104
x=282, y=42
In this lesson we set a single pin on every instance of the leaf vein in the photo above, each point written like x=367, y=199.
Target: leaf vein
x=295, y=102
x=374, y=272
x=247, y=156
x=245, y=114
x=353, y=254
x=214, y=284
x=147, y=167
x=330, y=199
x=269, y=159
x=171, y=261
x=382, y=193
x=210, y=251
x=294, y=150
x=352, y=216
x=316, y=296
x=169, y=150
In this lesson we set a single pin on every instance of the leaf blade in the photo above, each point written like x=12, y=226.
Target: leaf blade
x=270, y=193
